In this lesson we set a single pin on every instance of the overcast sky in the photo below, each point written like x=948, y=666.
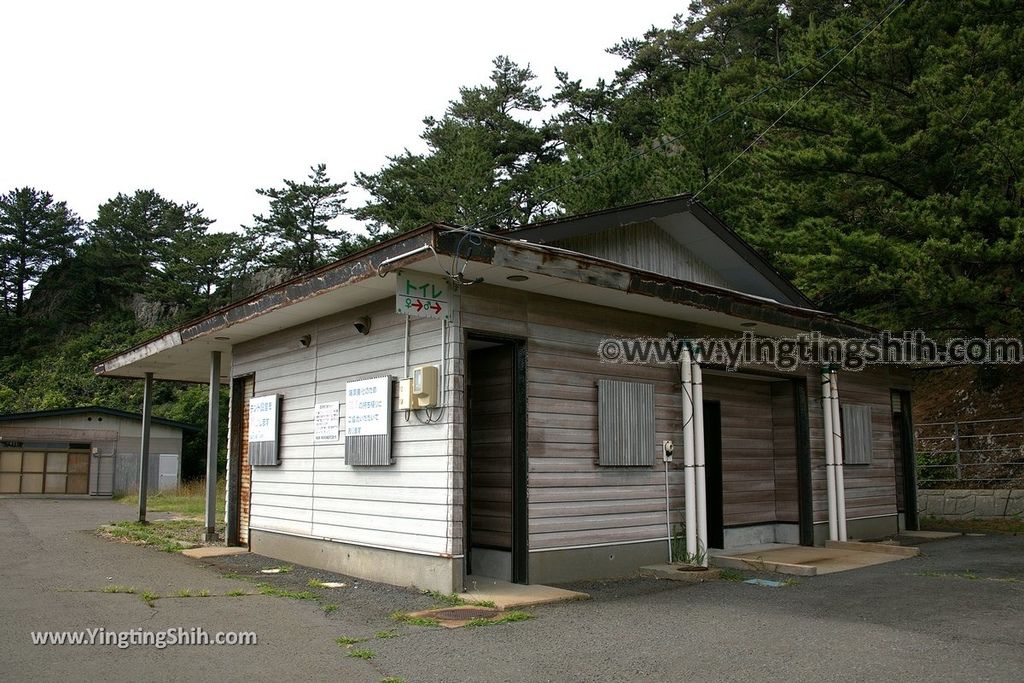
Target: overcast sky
x=206, y=101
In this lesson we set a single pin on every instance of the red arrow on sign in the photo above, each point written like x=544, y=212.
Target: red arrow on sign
x=437, y=307
x=419, y=305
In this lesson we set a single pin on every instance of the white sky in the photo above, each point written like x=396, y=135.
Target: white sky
x=206, y=101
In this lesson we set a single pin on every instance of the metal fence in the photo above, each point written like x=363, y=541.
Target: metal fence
x=970, y=454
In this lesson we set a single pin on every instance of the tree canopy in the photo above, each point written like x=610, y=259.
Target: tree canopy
x=297, y=233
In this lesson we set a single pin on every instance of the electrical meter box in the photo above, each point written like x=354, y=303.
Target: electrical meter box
x=424, y=386
x=405, y=394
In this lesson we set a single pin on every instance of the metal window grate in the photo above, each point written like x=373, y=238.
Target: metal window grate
x=625, y=416
x=368, y=450
x=856, y=434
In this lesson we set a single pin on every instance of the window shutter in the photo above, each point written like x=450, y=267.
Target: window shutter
x=856, y=435
x=625, y=416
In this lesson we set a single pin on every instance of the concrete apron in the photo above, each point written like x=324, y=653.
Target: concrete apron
x=807, y=561
x=507, y=595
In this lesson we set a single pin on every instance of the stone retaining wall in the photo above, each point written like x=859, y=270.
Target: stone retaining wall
x=964, y=503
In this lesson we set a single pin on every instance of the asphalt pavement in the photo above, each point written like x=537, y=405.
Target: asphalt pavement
x=956, y=613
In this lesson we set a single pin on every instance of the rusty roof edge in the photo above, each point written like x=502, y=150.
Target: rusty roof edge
x=289, y=292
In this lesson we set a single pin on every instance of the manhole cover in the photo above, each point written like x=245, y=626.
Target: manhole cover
x=456, y=613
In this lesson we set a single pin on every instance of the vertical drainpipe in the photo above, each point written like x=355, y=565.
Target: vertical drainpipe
x=837, y=454
x=701, y=498
x=688, y=458
x=147, y=414
x=830, y=469
x=212, y=430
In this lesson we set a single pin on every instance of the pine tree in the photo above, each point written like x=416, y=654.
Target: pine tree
x=297, y=233
x=35, y=233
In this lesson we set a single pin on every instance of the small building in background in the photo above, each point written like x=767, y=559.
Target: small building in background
x=86, y=451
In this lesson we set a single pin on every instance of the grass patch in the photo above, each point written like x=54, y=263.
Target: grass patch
x=456, y=600
x=114, y=588
x=189, y=499
x=330, y=608
x=403, y=618
x=235, y=593
x=315, y=583
x=167, y=535
x=189, y=593
x=149, y=597
x=345, y=640
x=506, y=618
x=267, y=589
x=449, y=599
x=388, y=633
x=391, y=679
x=731, y=575
x=361, y=654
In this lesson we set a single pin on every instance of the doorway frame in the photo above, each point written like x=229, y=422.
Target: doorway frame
x=520, y=457
x=236, y=414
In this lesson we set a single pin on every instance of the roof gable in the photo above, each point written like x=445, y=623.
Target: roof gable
x=710, y=252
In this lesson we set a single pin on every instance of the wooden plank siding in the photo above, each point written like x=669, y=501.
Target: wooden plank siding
x=404, y=506
x=870, y=489
x=787, y=490
x=574, y=502
x=648, y=247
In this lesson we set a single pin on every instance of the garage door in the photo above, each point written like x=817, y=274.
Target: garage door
x=44, y=471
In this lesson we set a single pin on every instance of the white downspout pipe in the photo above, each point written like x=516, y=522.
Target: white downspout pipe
x=837, y=454
x=701, y=498
x=688, y=462
x=830, y=469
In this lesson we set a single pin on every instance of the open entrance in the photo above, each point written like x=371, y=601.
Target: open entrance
x=496, y=518
x=757, y=460
x=903, y=447
x=713, y=472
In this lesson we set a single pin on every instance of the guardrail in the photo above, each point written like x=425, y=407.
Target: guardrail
x=972, y=454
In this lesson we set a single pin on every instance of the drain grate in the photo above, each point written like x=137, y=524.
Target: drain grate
x=458, y=613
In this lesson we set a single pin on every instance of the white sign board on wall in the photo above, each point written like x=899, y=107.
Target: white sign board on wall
x=368, y=421
x=263, y=418
x=368, y=407
x=264, y=412
x=326, y=422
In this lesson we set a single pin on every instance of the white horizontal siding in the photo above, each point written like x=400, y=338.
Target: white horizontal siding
x=313, y=493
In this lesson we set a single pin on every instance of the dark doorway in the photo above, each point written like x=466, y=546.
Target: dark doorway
x=713, y=472
x=496, y=534
x=903, y=449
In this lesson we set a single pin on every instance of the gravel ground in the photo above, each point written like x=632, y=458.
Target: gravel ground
x=955, y=613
